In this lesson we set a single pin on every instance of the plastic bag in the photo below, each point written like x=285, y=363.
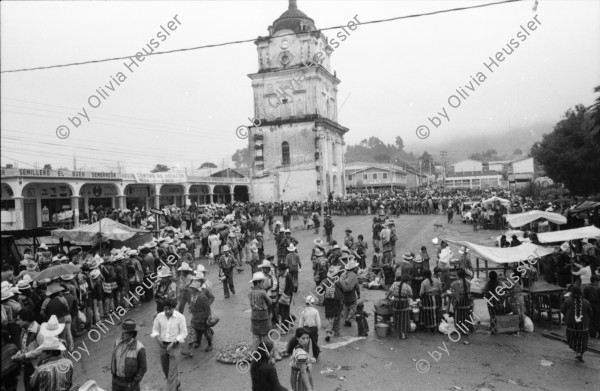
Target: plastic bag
x=527, y=324
x=82, y=317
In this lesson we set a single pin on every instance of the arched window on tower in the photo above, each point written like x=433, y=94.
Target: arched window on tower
x=285, y=153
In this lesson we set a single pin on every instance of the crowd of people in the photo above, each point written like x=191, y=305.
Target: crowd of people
x=42, y=316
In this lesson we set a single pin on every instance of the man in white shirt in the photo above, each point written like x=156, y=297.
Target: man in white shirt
x=170, y=331
x=310, y=319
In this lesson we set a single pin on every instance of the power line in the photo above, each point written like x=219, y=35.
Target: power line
x=254, y=39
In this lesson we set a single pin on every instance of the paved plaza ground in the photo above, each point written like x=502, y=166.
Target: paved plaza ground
x=478, y=362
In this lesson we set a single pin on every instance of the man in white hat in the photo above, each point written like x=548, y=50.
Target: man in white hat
x=54, y=372
x=254, y=260
x=233, y=244
x=57, y=305
x=185, y=255
x=166, y=288
x=260, y=302
x=226, y=264
x=320, y=266
x=185, y=273
x=292, y=259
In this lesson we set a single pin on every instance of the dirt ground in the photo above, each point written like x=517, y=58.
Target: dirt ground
x=481, y=361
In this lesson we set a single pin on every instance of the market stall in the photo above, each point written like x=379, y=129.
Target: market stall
x=569, y=234
x=522, y=219
x=103, y=231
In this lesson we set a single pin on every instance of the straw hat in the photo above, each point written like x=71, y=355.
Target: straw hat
x=51, y=343
x=418, y=259
x=51, y=328
x=24, y=284
x=265, y=263
x=348, y=230
x=318, y=252
x=333, y=270
x=336, y=246
x=164, y=271
x=95, y=273
x=6, y=294
x=182, y=246
x=43, y=247
x=67, y=277
x=310, y=300
x=319, y=242
x=55, y=288
x=408, y=257
x=201, y=268
x=254, y=249
x=463, y=250
x=198, y=276
x=258, y=276
x=259, y=234
x=225, y=248
x=352, y=264
x=435, y=241
x=133, y=253
x=291, y=247
x=185, y=267
x=287, y=231
x=90, y=385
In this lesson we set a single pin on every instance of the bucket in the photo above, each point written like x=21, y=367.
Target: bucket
x=382, y=329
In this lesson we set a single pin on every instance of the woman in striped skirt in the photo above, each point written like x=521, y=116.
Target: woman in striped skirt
x=300, y=361
x=399, y=293
x=462, y=303
x=578, y=313
x=431, y=296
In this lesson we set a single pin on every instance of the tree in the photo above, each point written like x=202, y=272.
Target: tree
x=518, y=152
x=490, y=154
x=593, y=119
x=399, y=143
x=425, y=159
x=161, y=168
x=47, y=166
x=208, y=165
x=241, y=158
x=568, y=155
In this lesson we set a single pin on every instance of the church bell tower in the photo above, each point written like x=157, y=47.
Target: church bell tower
x=296, y=145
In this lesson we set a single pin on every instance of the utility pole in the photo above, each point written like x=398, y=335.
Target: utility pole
x=74, y=163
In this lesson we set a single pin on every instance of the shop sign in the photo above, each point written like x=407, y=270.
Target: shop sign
x=161, y=177
x=26, y=172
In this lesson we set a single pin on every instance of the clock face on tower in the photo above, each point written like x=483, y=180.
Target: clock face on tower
x=284, y=44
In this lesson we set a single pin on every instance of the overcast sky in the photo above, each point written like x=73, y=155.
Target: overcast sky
x=183, y=108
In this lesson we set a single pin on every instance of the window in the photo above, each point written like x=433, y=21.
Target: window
x=365, y=177
x=333, y=154
x=374, y=176
x=349, y=177
x=285, y=153
x=385, y=175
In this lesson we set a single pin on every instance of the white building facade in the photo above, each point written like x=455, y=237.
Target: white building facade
x=296, y=145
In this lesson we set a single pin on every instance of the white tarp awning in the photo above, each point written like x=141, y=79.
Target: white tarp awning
x=494, y=199
x=506, y=255
x=569, y=234
x=106, y=228
x=521, y=219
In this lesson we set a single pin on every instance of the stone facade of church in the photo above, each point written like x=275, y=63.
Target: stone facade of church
x=296, y=145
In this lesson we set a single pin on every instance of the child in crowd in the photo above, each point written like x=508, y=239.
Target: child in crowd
x=361, y=249
x=377, y=257
x=361, y=320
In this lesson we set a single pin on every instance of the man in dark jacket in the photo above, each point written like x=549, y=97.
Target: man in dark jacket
x=128, y=364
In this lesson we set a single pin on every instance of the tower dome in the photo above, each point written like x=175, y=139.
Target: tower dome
x=293, y=19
